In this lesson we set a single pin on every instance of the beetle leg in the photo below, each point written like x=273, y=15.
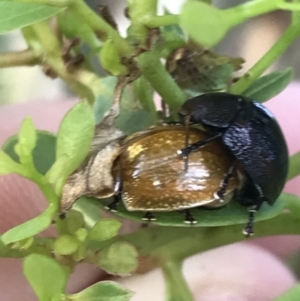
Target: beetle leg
x=149, y=217
x=184, y=152
x=117, y=193
x=189, y=219
x=113, y=205
x=248, y=230
x=220, y=193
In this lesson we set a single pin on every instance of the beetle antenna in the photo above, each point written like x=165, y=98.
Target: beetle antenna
x=187, y=138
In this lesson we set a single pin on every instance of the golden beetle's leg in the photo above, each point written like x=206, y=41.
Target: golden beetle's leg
x=149, y=217
x=189, y=219
x=117, y=191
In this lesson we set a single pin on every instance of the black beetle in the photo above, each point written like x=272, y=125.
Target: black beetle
x=253, y=136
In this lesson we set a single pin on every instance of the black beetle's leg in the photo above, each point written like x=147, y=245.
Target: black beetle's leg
x=149, y=217
x=248, y=230
x=187, y=137
x=220, y=193
x=189, y=219
x=117, y=193
x=192, y=147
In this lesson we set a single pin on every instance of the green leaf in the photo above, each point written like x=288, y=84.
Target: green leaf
x=23, y=244
x=66, y=245
x=231, y=214
x=119, y=258
x=30, y=228
x=43, y=153
x=73, y=142
x=15, y=15
x=175, y=28
x=294, y=165
x=269, y=85
x=206, y=24
x=81, y=234
x=291, y=295
x=132, y=117
x=26, y=142
x=110, y=59
x=90, y=210
x=74, y=222
x=47, y=278
x=102, y=291
x=7, y=165
x=27, y=135
x=104, y=229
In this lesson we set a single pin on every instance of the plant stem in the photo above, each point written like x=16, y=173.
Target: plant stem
x=288, y=37
x=177, y=288
x=139, y=11
x=49, y=49
x=99, y=25
x=57, y=3
x=240, y=13
x=179, y=243
x=17, y=59
x=157, y=21
x=153, y=70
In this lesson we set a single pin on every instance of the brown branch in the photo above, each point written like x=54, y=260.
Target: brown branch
x=18, y=58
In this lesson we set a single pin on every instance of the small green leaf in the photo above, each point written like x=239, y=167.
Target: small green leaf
x=43, y=153
x=110, y=59
x=7, y=165
x=132, y=117
x=30, y=228
x=206, y=24
x=73, y=142
x=80, y=253
x=26, y=142
x=74, y=222
x=81, y=234
x=104, y=99
x=269, y=85
x=23, y=244
x=47, y=278
x=90, y=210
x=175, y=28
x=27, y=134
x=291, y=295
x=118, y=259
x=15, y=15
x=66, y=245
x=102, y=291
x=105, y=228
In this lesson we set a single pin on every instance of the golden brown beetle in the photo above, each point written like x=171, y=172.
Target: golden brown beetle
x=152, y=177
x=146, y=174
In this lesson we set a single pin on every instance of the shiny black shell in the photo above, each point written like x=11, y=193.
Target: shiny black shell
x=253, y=136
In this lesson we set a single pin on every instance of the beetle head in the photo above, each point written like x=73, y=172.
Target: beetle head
x=211, y=109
